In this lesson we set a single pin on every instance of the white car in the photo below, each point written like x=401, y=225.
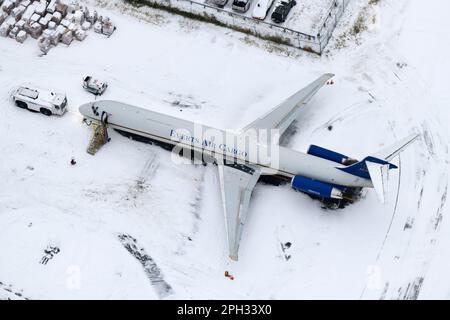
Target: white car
x=261, y=9
x=45, y=102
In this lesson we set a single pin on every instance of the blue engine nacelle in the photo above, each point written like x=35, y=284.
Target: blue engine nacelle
x=328, y=154
x=316, y=188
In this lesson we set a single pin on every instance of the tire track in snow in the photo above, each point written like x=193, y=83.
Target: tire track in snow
x=151, y=269
x=422, y=242
x=147, y=172
x=411, y=290
x=7, y=292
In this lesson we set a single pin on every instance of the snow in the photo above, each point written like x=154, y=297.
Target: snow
x=389, y=83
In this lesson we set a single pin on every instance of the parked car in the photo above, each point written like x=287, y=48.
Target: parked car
x=282, y=9
x=261, y=9
x=94, y=86
x=45, y=102
x=241, y=5
x=219, y=3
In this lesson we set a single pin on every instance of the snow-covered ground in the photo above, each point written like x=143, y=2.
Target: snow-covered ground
x=130, y=201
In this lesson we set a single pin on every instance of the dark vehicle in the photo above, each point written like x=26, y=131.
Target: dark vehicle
x=282, y=10
x=241, y=5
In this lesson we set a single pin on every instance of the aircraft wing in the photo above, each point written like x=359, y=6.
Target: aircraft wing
x=285, y=113
x=236, y=185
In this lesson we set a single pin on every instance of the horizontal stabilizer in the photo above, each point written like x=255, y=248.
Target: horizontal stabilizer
x=390, y=152
x=376, y=167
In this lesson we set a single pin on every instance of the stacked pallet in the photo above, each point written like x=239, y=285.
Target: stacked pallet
x=50, y=21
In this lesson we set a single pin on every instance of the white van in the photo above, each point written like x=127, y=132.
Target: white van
x=45, y=102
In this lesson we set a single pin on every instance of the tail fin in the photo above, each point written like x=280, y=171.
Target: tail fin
x=379, y=174
x=376, y=168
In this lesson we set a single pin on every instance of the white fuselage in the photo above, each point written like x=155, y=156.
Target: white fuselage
x=214, y=143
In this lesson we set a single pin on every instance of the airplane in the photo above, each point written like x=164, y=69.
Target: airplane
x=243, y=157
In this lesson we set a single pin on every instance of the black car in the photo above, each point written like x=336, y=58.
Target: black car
x=241, y=5
x=282, y=10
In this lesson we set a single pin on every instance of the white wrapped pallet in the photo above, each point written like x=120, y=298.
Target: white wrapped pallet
x=78, y=17
x=108, y=29
x=86, y=25
x=44, y=44
x=21, y=36
x=65, y=23
x=69, y=17
x=73, y=6
x=25, y=3
x=57, y=17
x=7, y=6
x=61, y=29
x=35, y=30
x=28, y=13
x=43, y=22
x=13, y=32
x=98, y=27
x=67, y=38
x=21, y=24
x=35, y=17
x=17, y=12
x=47, y=33
x=72, y=27
x=4, y=29
x=80, y=35
x=3, y=16
x=10, y=20
x=51, y=25
x=61, y=8
x=41, y=8
x=51, y=8
x=91, y=16
x=55, y=38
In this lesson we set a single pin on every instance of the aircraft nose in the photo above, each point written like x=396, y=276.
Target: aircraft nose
x=86, y=109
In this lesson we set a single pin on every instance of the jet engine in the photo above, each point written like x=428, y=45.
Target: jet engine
x=330, y=155
x=316, y=188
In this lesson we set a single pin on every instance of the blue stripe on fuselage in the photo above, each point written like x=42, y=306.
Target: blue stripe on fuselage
x=360, y=169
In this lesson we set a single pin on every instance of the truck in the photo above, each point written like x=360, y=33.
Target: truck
x=94, y=86
x=43, y=101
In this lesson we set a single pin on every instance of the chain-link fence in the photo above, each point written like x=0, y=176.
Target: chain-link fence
x=265, y=30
